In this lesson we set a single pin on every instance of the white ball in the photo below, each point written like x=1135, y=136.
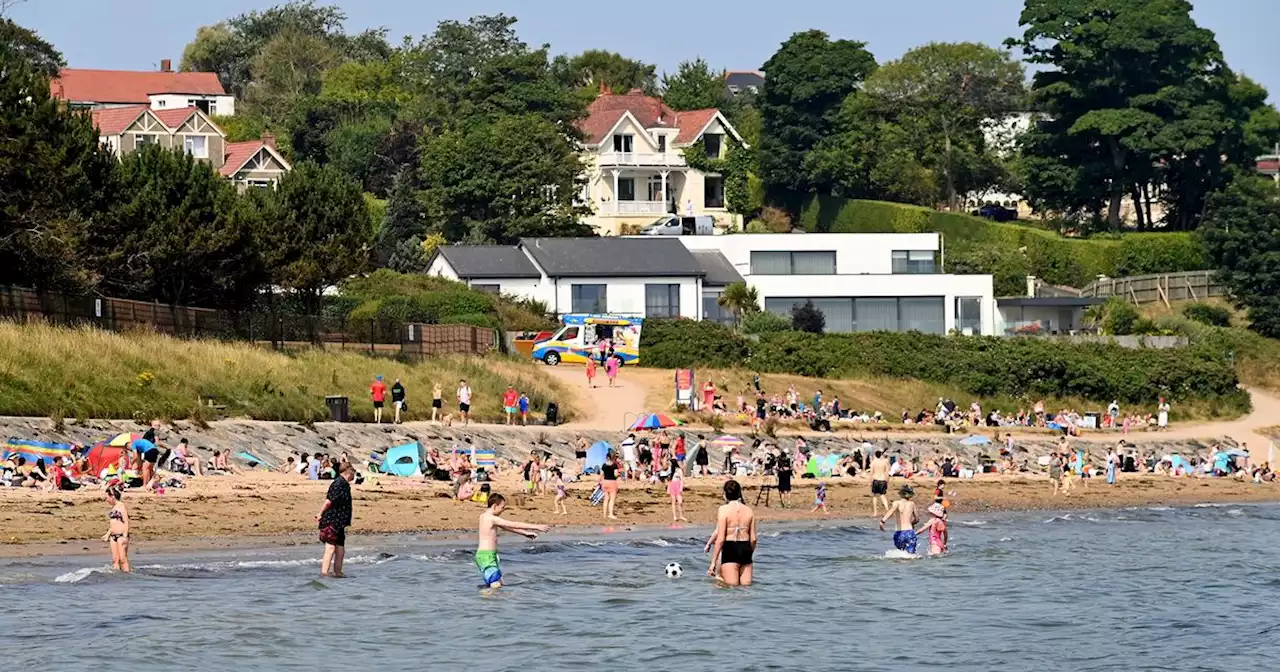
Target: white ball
x=674, y=571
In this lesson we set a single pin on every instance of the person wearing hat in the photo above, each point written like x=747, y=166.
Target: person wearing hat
x=904, y=539
x=937, y=528
x=378, y=392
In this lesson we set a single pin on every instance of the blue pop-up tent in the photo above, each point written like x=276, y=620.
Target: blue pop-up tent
x=403, y=460
x=595, y=457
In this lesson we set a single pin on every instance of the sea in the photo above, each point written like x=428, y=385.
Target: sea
x=1144, y=588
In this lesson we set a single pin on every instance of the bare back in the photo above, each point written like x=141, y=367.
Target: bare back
x=738, y=521
x=880, y=469
x=488, y=536
x=906, y=510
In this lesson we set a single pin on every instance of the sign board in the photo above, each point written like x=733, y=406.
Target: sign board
x=684, y=387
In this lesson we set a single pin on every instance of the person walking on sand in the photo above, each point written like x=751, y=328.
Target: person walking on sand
x=708, y=396
x=378, y=392
x=609, y=484
x=334, y=519
x=734, y=539
x=904, y=539
x=784, y=472
x=611, y=369
x=591, y=372
x=1162, y=417
x=487, y=560
x=820, y=500
x=397, y=399
x=1113, y=462
x=1055, y=471
x=437, y=402
x=675, y=490
x=562, y=496
x=879, y=483
x=464, y=402
x=118, y=527
x=510, y=402
x=524, y=409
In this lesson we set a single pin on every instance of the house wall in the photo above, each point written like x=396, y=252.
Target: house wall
x=625, y=296
x=442, y=269
x=226, y=105
x=856, y=253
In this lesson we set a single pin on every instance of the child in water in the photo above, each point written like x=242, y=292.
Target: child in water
x=937, y=528
x=820, y=500
x=118, y=532
x=561, y=496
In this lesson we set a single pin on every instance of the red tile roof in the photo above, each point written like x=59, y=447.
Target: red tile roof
x=174, y=117
x=113, y=120
x=604, y=112
x=237, y=154
x=123, y=86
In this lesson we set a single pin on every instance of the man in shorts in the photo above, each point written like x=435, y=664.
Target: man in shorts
x=904, y=539
x=464, y=402
x=147, y=452
x=879, y=482
x=397, y=399
x=487, y=560
x=510, y=399
x=378, y=392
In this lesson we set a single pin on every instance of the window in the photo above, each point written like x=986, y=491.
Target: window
x=914, y=261
x=969, y=315
x=713, y=191
x=662, y=300
x=209, y=107
x=924, y=314
x=844, y=315
x=590, y=298
x=141, y=139
x=713, y=143
x=793, y=263
x=876, y=314
x=259, y=184
x=489, y=289
x=626, y=189
x=662, y=143
x=196, y=145
x=623, y=143
x=712, y=311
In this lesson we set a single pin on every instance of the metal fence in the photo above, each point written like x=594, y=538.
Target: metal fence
x=1159, y=288
x=279, y=330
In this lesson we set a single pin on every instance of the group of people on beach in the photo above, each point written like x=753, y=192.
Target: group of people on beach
x=515, y=404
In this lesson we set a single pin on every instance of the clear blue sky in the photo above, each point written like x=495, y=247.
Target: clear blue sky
x=732, y=34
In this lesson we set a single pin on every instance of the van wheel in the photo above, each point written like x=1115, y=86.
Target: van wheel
x=552, y=359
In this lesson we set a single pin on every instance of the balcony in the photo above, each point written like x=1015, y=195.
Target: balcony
x=633, y=208
x=667, y=159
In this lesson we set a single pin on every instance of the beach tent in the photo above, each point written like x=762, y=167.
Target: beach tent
x=485, y=458
x=595, y=457
x=829, y=464
x=251, y=459
x=975, y=440
x=34, y=451
x=812, y=467
x=403, y=460
x=108, y=452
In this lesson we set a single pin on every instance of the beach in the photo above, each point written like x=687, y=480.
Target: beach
x=264, y=509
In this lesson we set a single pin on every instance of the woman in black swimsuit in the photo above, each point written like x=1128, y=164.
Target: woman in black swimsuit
x=734, y=538
x=609, y=484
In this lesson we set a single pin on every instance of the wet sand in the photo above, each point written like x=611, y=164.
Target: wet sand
x=261, y=509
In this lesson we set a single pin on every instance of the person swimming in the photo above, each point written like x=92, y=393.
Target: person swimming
x=904, y=539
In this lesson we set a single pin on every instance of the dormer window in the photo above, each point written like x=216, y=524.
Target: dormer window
x=713, y=142
x=623, y=143
x=662, y=143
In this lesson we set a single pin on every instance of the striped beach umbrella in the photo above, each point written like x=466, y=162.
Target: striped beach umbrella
x=727, y=442
x=655, y=421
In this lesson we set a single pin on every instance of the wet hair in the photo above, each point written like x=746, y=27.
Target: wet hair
x=732, y=491
x=879, y=453
x=495, y=500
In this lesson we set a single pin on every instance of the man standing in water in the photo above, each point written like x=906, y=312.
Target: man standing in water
x=879, y=483
x=334, y=519
x=487, y=549
x=904, y=539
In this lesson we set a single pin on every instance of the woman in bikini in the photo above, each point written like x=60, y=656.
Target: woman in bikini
x=734, y=539
x=118, y=533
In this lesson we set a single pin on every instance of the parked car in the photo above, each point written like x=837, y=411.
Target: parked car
x=673, y=225
x=996, y=213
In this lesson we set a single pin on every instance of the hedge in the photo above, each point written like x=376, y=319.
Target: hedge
x=393, y=298
x=1010, y=252
x=981, y=365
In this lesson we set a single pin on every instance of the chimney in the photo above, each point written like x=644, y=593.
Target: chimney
x=166, y=65
x=1031, y=286
x=269, y=139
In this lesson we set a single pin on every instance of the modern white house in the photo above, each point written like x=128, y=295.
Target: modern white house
x=635, y=161
x=861, y=282
x=159, y=90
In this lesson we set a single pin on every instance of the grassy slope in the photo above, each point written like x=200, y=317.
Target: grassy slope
x=1257, y=357
x=49, y=371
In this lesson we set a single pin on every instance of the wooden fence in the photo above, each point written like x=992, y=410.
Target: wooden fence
x=1159, y=288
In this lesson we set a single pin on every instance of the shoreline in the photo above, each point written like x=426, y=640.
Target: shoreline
x=262, y=511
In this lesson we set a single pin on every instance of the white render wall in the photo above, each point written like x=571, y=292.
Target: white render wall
x=226, y=105
x=856, y=253
x=626, y=295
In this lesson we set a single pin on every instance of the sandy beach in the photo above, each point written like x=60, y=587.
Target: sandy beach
x=264, y=509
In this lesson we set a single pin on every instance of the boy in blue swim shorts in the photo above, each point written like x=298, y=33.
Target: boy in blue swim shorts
x=904, y=539
x=487, y=551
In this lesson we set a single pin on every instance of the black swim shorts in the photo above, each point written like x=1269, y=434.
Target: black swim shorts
x=377, y=404
x=879, y=487
x=152, y=455
x=735, y=553
x=465, y=408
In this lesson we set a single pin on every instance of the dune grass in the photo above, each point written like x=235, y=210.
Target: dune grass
x=87, y=373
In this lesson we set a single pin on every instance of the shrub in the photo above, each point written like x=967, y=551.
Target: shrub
x=674, y=344
x=1118, y=317
x=808, y=318
x=764, y=322
x=1204, y=313
x=757, y=226
x=775, y=220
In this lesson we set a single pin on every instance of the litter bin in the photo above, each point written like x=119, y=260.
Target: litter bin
x=339, y=408
x=553, y=414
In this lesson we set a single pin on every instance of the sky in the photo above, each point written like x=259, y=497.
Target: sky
x=729, y=34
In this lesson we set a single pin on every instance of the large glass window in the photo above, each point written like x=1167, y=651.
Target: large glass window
x=623, y=143
x=626, y=189
x=793, y=263
x=924, y=314
x=196, y=145
x=712, y=311
x=590, y=298
x=713, y=191
x=870, y=314
x=662, y=300
x=914, y=261
x=876, y=314
x=838, y=313
x=969, y=315
x=713, y=142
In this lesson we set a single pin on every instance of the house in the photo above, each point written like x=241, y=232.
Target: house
x=651, y=277
x=743, y=83
x=1046, y=310
x=636, y=169
x=162, y=90
x=860, y=281
x=124, y=129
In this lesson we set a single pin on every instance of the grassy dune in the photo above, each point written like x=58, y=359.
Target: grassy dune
x=85, y=373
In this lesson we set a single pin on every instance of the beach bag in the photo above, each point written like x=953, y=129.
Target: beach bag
x=597, y=495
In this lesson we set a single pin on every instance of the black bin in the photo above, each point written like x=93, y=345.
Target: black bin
x=339, y=408
x=553, y=413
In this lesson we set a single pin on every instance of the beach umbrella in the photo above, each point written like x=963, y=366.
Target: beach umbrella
x=655, y=421
x=123, y=440
x=727, y=442
x=35, y=451
x=975, y=440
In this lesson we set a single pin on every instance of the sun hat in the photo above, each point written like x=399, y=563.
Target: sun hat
x=936, y=509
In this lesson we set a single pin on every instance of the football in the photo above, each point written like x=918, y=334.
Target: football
x=674, y=571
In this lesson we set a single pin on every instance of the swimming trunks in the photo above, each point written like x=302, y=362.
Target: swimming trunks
x=377, y=403
x=735, y=553
x=905, y=540
x=487, y=562
x=879, y=487
x=465, y=408
x=436, y=403
x=334, y=534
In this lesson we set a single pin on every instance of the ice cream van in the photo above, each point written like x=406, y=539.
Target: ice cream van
x=584, y=335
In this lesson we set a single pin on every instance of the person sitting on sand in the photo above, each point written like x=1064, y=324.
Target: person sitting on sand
x=183, y=457
x=904, y=539
x=487, y=560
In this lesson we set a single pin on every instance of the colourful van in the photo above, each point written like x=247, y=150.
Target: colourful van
x=585, y=335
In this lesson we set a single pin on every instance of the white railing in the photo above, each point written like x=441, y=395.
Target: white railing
x=642, y=159
x=635, y=207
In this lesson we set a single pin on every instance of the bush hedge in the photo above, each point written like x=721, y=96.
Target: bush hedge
x=1205, y=313
x=1010, y=252
x=981, y=365
x=394, y=298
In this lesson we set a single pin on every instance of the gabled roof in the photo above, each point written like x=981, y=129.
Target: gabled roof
x=488, y=261
x=744, y=78
x=113, y=120
x=237, y=154
x=719, y=272
x=174, y=117
x=604, y=113
x=612, y=257
x=125, y=86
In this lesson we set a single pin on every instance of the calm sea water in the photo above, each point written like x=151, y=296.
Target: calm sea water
x=1192, y=588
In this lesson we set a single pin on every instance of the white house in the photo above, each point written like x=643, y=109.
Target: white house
x=159, y=90
x=860, y=281
x=636, y=168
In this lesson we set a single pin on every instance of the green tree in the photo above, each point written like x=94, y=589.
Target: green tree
x=1241, y=233
x=807, y=81
x=27, y=45
x=288, y=68
x=404, y=220
x=316, y=231
x=806, y=317
x=587, y=71
x=740, y=299
x=694, y=86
